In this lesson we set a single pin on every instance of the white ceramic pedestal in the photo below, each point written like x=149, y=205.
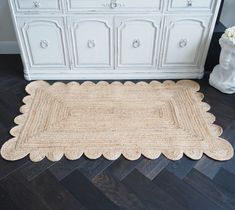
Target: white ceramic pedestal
x=223, y=75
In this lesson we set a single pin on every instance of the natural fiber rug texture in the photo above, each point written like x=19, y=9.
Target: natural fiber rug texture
x=113, y=119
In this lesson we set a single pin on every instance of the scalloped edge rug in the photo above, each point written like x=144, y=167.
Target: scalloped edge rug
x=115, y=119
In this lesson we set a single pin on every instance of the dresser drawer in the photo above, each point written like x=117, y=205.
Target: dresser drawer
x=185, y=5
x=114, y=5
x=37, y=5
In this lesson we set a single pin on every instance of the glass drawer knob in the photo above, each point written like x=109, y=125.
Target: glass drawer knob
x=183, y=43
x=189, y=3
x=136, y=43
x=44, y=44
x=113, y=4
x=91, y=44
x=36, y=4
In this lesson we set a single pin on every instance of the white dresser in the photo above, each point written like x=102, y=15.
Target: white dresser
x=114, y=39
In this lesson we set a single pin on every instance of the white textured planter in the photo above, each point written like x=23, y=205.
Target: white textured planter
x=223, y=75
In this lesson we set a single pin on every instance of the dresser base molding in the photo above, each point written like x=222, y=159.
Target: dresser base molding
x=114, y=76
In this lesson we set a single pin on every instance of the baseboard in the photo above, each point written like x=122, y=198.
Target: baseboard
x=75, y=75
x=9, y=47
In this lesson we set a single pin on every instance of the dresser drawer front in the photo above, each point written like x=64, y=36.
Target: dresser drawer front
x=44, y=42
x=185, y=5
x=92, y=42
x=114, y=6
x=184, y=41
x=37, y=5
x=137, y=41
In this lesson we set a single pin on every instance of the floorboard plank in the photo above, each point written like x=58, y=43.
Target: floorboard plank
x=86, y=193
x=182, y=192
x=226, y=180
x=152, y=196
x=122, y=167
x=91, y=168
x=6, y=203
x=8, y=167
x=182, y=167
x=31, y=169
x=151, y=168
x=53, y=193
x=117, y=192
x=21, y=193
x=229, y=133
x=64, y=167
x=208, y=167
x=210, y=190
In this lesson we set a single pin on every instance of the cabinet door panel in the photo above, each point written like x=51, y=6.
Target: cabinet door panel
x=184, y=42
x=44, y=42
x=137, y=40
x=92, y=41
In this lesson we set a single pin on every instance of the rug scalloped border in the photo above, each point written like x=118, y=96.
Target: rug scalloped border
x=220, y=149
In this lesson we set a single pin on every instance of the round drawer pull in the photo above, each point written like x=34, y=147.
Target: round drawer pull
x=183, y=43
x=36, y=4
x=91, y=44
x=113, y=4
x=44, y=44
x=189, y=3
x=136, y=43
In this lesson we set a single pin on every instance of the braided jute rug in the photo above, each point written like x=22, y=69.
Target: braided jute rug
x=115, y=119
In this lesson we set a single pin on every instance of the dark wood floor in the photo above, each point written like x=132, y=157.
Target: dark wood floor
x=107, y=185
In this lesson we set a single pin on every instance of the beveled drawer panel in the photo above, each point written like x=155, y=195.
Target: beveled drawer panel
x=114, y=5
x=43, y=41
x=184, y=41
x=92, y=41
x=137, y=41
x=37, y=5
x=184, y=5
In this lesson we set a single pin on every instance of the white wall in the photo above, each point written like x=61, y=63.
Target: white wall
x=6, y=27
x=8, y=40
x=228, y=13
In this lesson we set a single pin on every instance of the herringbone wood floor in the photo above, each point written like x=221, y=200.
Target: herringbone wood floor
x=107, y=185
